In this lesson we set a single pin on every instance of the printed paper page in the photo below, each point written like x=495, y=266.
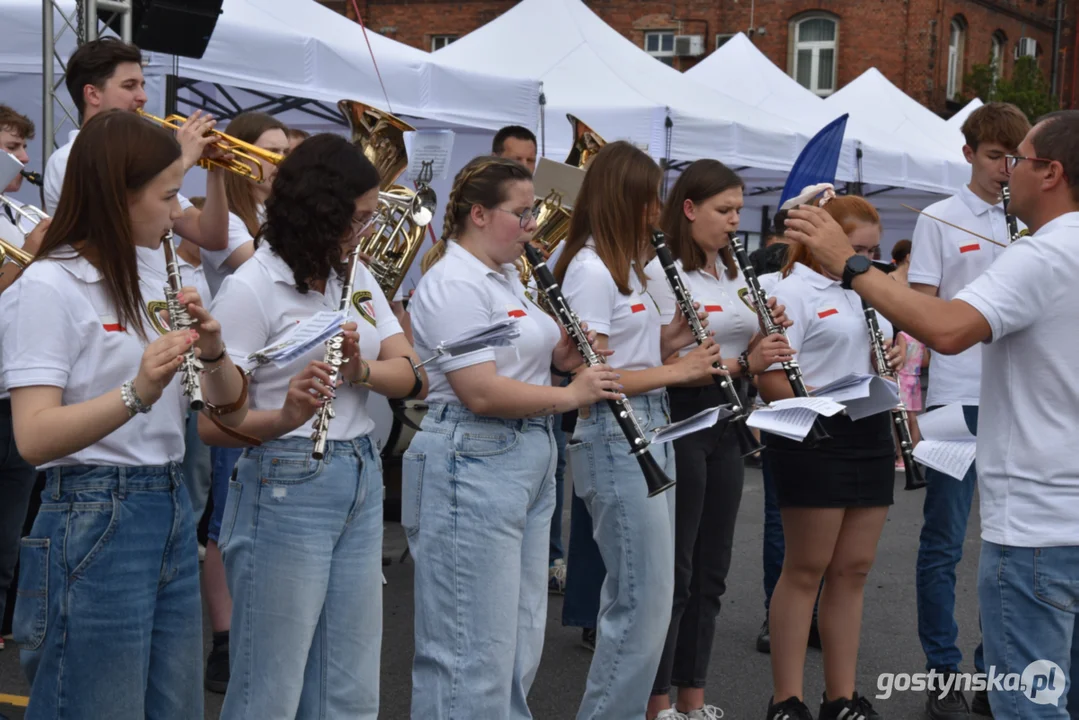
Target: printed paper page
x=853, y=386
x=700, y=421
x=946, y=423
x=301, y=339
x=883, y=397
x=950, y=457
x=431, y=146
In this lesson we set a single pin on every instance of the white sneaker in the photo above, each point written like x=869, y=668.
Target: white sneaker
x=708, y=712
x=670, y=714
x=556, y=577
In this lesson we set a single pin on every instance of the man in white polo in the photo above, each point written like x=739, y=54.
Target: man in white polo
x=1024, y=312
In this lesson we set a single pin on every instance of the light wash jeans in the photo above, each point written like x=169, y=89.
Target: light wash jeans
x=302, y=544
x=196, y=467
x=1029, y=598
x=108, y=612
x=635, y=534
x=478, y=495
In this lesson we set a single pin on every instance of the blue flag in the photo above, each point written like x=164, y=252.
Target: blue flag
x=818, y=160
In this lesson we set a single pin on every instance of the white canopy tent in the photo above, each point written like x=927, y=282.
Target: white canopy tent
x=592, y=71
x=956, y=121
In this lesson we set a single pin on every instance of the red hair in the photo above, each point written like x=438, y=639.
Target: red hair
x=847, y=210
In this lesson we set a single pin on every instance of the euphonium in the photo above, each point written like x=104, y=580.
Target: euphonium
x=552, y=217
x=245, y=156
x=29, y=213
x=403, y=214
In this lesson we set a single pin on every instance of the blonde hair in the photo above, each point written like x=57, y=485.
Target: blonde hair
x=482, y=182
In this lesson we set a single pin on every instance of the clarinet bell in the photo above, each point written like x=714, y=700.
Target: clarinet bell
x=816, y=435
x=915, y=481
x=654, y=477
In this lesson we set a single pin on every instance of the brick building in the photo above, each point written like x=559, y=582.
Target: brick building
x=925, y=47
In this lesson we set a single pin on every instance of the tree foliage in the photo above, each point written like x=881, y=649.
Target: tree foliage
x=1027, y=88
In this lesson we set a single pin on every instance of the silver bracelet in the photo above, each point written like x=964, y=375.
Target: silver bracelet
x=131, y=399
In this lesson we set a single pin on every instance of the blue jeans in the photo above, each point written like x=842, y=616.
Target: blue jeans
x=196, y=466
x=557, y=552
x=584, y=569
x=478, y=495
x=1029, y=598
x=940, y=548
x=636, y=540
x=108, y=612
x=774, y=546
x=222, y=461
x=302, y=544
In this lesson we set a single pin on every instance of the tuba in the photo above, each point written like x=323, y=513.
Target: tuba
x=552, y=217
x=403, y=215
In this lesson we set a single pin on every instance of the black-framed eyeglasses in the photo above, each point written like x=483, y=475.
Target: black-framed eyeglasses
x=1012, y=160
x=526, y=216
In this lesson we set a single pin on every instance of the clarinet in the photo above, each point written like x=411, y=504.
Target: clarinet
x=335, y=358
x=654, y=477
x=190, y=366
x=1013, y=223
x=760, y=304
x=899, y=414
x=746, y=441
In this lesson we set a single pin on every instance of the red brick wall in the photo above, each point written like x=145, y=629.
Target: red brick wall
x=907, y=40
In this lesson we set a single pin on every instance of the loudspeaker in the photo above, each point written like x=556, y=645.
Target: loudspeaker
x=176, y=27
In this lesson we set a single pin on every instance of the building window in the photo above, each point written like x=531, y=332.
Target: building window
x=955, y=59
x=722, y=38
x=660, y=45
x=440, y=41
x=997, y=43
x=814, y=52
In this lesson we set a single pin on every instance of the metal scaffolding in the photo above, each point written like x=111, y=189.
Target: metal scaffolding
x=84, y=22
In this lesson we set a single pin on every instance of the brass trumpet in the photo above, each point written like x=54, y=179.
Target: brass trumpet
x=242, y=152
x=29, y=213
x=403, y=215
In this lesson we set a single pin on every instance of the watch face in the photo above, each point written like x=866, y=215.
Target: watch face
x=859, y=263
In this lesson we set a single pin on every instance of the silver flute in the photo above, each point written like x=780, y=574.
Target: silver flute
x=179, y=319
x=899, y=413
x=335, y=358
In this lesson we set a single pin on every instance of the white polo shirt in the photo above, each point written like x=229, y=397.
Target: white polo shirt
x=13, y=225
x=56, y=169
x=214, y=261
x=60, y=329
x=950, y=259
x=1028, y=474
x=460, y=294
x=630, y=322
x=829, y=330
x=259, y=303
x=733, y=323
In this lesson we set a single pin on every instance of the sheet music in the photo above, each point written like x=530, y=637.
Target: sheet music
x=433, y=146
x=862, y=394
x=501, y=334
x=946, y=423
x=951, y=457
x=792, y=418
x=702, y=420
x=306, y=335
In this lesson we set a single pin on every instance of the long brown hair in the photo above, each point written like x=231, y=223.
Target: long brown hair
x=848, y=211
x=482, y=182
x=702, y=180
x=116, y=153
x=248, y=127
x=620, y=186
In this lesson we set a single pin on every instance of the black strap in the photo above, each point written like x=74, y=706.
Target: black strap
x=418, y=386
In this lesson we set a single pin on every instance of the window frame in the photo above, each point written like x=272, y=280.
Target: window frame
x=725, y=37
x=446, y=38
x=665, y=57
x=815, y=47
x=957, y=31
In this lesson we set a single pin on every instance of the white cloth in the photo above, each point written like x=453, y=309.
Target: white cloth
x=733, y=323
x=259, y=303
x=949, y=259
x=829, y=329
x=630, y=322
x=152, y=269
x=460, y=294
x=59, y=329
x=214, y=261
x=1028, y=475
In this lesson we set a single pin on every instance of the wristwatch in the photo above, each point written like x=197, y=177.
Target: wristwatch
x=856, y=265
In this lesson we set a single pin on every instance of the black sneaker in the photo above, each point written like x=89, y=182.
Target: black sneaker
x=854, y=708
x=952, y=706
x=588, y=638
x=217, y=665
x=980, y=704
x=764, y=638
x=790, y=709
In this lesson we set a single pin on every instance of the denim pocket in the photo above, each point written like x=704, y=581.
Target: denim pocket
x=228, y=517
x=90, y=526
x=288, y=468
x=581, y=459
x=412, y=465
x=32, y=598
x=483, y=440
x=1054, y=576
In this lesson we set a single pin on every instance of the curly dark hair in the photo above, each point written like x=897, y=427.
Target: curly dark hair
x=312, y=204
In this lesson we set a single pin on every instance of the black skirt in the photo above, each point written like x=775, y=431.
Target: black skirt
x=855, y=467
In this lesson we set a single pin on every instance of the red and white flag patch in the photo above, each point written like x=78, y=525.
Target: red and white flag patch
x=970, y=248
x=639, y=307
x=826, y=312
